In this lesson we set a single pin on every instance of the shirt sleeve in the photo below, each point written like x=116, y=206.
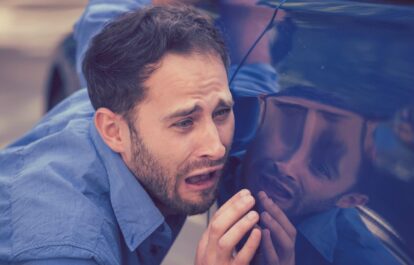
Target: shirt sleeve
x=96, y=15
x=64, y=261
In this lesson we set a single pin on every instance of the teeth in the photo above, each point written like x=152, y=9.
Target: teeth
x=198, y=178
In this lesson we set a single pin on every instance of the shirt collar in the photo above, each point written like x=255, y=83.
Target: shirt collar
x=320, y=230
x=135, y=212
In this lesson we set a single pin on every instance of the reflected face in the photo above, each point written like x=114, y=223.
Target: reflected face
x=306, y=154
x=182, y=131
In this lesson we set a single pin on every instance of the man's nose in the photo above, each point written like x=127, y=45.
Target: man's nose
x=286, y=169
x=211, y=145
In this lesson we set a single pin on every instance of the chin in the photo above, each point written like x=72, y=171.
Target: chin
x=198, y=208
x=200, y=204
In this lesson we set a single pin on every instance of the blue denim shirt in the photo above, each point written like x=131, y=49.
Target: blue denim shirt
x=65, y=194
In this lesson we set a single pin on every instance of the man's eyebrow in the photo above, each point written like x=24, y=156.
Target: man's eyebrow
x=183, y=112
x=196, y=108
x=226, y=103
x=282, y=104
x=332, y=117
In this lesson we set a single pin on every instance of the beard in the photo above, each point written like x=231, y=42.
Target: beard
x=304, y=207
x=162, y=185
x=260, y=174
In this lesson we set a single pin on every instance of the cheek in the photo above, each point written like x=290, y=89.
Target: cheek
x=226, y=132
x=327, y=190
x=168, y=152
x=349, y=166
x=318, y=189
x=162, y=147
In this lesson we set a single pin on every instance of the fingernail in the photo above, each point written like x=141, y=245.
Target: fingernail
x=262, y=194
x=247, y=199
x=244, y=192
x=265, y=215
x=251, y=215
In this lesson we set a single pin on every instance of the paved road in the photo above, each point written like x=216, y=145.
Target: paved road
x=29, y=33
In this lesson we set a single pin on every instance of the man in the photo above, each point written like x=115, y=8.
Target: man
x=110, y=180
x=308, y=166
x=285, y=255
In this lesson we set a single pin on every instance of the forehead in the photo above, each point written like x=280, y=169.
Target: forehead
x=313, y=105
x=310, y=133
x=291, y=114
x=294, y=124
x=180, y=80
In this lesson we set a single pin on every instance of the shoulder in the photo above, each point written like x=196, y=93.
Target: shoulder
x=58, y=218
x=357, y=244
x=54, y=192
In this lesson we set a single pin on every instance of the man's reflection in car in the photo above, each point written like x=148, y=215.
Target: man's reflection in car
x=307, y=156
x=309, y=165
x=325, y=145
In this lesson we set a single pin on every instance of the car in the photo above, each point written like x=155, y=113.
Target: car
x=328, y=58
x=62, y=78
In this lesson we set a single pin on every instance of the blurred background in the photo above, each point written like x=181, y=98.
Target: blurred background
x=29, y=34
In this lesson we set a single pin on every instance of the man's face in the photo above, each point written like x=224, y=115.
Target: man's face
x=182, y=132
x=306, y=154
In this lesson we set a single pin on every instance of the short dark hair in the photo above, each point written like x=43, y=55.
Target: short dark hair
x=123, y=56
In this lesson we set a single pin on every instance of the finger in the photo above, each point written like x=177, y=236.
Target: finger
x=245, y=255
x=282, y=238
x=274, y=210
x=228, y=204
x=225, y=218
x=268, y=249
x=232, y=237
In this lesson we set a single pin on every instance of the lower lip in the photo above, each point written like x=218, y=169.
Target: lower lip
x=203, y=185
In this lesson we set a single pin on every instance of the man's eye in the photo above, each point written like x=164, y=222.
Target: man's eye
x=222, y=113
x=322, y=169
x=184, y=123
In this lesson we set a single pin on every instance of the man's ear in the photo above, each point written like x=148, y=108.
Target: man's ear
x=351, y=200
x=113, y=129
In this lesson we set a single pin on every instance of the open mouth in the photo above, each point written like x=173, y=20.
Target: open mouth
x=275, y=189
x=199, y=179
x=270, y=180
x=205, y=180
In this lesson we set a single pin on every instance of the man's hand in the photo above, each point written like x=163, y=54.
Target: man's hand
x=228, y=226
x=278, y=235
